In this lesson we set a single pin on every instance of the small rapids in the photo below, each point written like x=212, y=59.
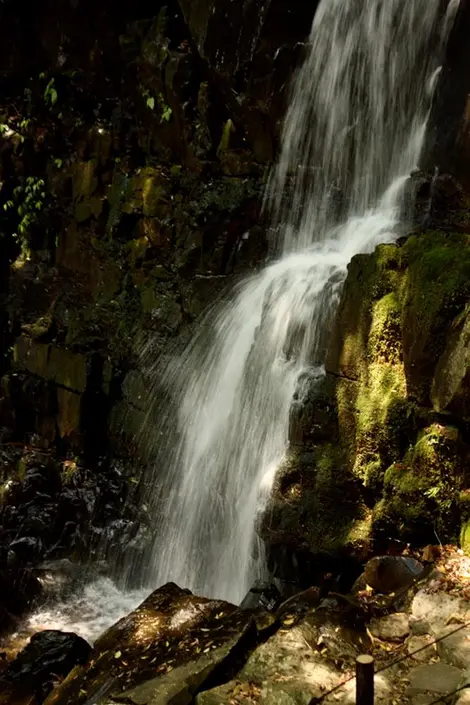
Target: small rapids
x=88, y=612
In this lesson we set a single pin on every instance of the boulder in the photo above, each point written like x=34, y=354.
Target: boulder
x=421, y=648
x=49, y=657
x=165, y=651
x=264, y=595
x=277, y=662
x=387, y=574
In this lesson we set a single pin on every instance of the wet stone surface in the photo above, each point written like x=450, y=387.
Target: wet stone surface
x=172, y=644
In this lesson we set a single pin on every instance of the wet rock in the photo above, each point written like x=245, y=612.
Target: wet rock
x=264, y=595
x=252, y=57
x=388, y=574
x=300, y=603
x=393, y=627
x=49, y=656
x=432, y=199
x=434, y=677
x=165, y=650
x=27, y=549
x=19, y=587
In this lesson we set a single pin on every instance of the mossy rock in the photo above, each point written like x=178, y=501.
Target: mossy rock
x=434, y=291
x=59, y=365
x=450, y=389
x=317, y=505
x=398, y=304
x=402, y=331
x=465, y=537
x=146, y=193
x=421, y=493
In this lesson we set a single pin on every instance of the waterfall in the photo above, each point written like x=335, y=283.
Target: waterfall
x=354, y=130
x=353, y=133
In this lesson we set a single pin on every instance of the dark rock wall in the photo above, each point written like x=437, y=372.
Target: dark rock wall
x=133, y=156
x=448, y=141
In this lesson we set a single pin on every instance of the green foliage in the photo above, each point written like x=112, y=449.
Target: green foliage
x=165, y=111
x=28, y=201
x=50, y=94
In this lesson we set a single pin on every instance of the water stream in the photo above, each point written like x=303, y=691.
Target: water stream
x=353, y=133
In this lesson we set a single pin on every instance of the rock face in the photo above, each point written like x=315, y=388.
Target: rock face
x=448, y=144
x=380, y=447
x=138, y=207
x=252, y=47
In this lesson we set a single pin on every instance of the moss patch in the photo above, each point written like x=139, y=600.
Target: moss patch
x=436, y=288
x=421, y=493
x=317, y=504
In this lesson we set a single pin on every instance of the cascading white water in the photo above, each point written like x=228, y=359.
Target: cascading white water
x=353, y=133
x=355, y=127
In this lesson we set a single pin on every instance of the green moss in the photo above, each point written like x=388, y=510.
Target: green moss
x=145, y=193
x=385, y=342
x=421, y=493
x=385, y=385
x=436, y=288
x=228, y=130
x=334, y=514
x=465, y=537
x=396, y=313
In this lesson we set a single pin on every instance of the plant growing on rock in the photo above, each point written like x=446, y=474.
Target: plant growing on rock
x=28, y=200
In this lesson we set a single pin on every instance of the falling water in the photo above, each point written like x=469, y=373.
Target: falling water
x=352, y=135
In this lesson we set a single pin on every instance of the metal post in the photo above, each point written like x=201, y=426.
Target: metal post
x=364, y=680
